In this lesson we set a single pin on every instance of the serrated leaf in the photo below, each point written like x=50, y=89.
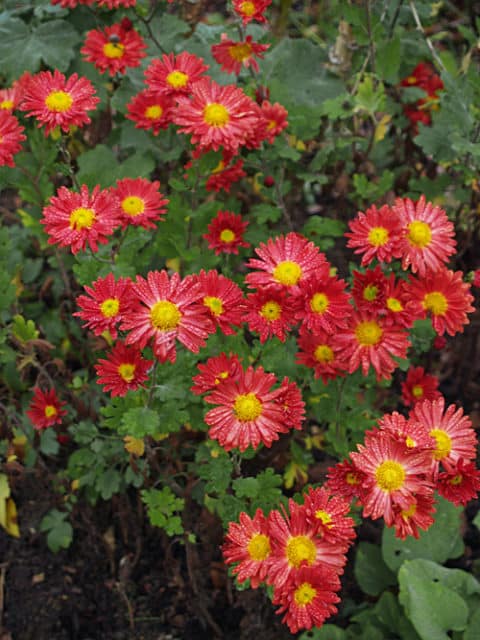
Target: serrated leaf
x=140, y=422
x=162, y=506
x=49, y=443
x=108, y=483
x=60, y=532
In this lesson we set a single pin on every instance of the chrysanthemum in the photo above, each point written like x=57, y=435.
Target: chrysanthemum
x=224, y=300
x=452, y=431
x=123, y=370
x=215, y=371
x=141, y=202
x=168, y=310
x=323, y=302
x=328, y=512
x=445, y=297
x=106, y=304
x=285, y=261
x=419, y=386
x=233, y=55
x=248, y=413
x=369, y=341
x=291, y=402
x=308, y=599
x=394, y=475
x=321, y=352
x=75, y=219
x=270, y=312
x=225, y=232
x=248, y=543
x=275, y=119
x=114, y=49
x=345, y=480
x=45, y=409
x=175, y=75
x=460, y=483
x=116, y=4
x=250, y=10
x=400, y=310
x=369, y=289
x=224, y=175
x=216, y=116
x=10, y=97
x=150, y=110
x=427, y=235
x=418, y=515
x=375, y=234
x=71, y=4
x=407, y=432
x=57, y=101
x=11, y=137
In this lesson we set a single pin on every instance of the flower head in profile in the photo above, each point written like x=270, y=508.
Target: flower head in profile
x=76, y=219
x=321, y=352
x=11, y=137
x=419, y=386
x=150, y=110
x=375, y=234
x=141, y=203
x=56, y=101
x=292, y=404
x=214, y=372
x=175, y=75
x=123, y=370
x=225, y=174
x=249, y=10
x=114, y=48
x=233, y=55
x=270, y=312
x=225, y=233
x=45, y=409
x=224, y=300
x=274, y=119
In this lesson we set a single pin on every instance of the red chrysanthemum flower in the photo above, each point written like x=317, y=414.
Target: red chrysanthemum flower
x=445, y=297
x=369, y=289
x=150, y=110
x=419, y=386
x=270, y=312
x=375, y=234
x=459, y=483
x=275, y=119
x=216, y=116
x=225, y=233
x=427, y=237
x=328, y=513
x=106, y=304
x=249, y=10
x=10, y=97
x=57, y=101
x=406, y=431
x=116, y=4
x=308, y=599
x=248, y=413
x=141, y=203
x=11, y=137
x=452, y=431
x=214, y=372
x=400, y=310
x=248, y=544
x=285, y=261
x=224, y=300
x=75, y=219
x=71, y=4
x=321, y=352
x=224, y=175
x=114, y=49
x=369, y=341
x=345, y=480
x=234, y=55
x=325, y=303
x=422, y=77
x=292, y=404
x=418, y=515
x=45, y=409
x=123, y=370
x=393, y=475
x=175, y=75
x=476, y=278
x=168, y=310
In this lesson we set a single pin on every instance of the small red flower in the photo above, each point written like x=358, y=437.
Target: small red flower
x=292, y=404
x=328, y=512
x=418, y=515
x=57, y=101
x=460, y=482
x=123, y=370
x=141, y=202
x=45, y=409
x=116, y=4
x=175, y=75
x=225, y=233
x=375, y=234
x=345, y=479
x=324, y=304
x=249, y=10
x=270, y=312
x=476, y=278
x=150, y=110
x=11, y=137
x=419, y=386
x=275, y=117
x=234, y=55
x=321, y=352
x=224, y=300
x=10, y=98
x=215, y=371
x=369, y=289
x=400, y=309
x=224, y=175
x=114, y=49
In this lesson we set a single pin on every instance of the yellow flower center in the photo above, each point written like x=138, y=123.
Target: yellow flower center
x=368, y=333
x=325, y=517
x=304, y=594
x=444, y=443
x=419, y=234
x=6, y=104
x=287, y=273
x=408, y=513
x=436, y=303
x=127, y=372
x=247, y=8
x=133, y=205
x=300, y=549
x=221, y=376
x=393, y=304
x=220, y=167
x=271, y=124
x=227, y=235
x=370, y=292
x=378, y=236
x=110, y=307
x=247, y=407
x=323, y=354
x=319, y=303
x=410, y=442
x=417, y=391
x=216, y=115
x=58, y=101
x=390, y=476
x=153, y=112
x=82, y=218
x=412, y=80
x=113, y=50
x=271, y=311
x=214, y=304
x=177, y=79
x=456, y=480
x=165, y=316
x=259, y=547
x=240, y=51
x=351, y=478
x=50, y=411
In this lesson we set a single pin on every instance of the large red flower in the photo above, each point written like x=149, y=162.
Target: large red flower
x=175, y=75
x=141, y=203
x=58, y=102
x=11, y=137
x=123, y=370
x=375, y=234
x=225, y=232
x=75, y=219
x=233, y=55
x=45, y=409
x=114, y=49
x=150, y=110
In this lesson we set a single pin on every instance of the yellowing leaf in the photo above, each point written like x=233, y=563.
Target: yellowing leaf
x=382, y=128
x=173, y=264
x=134, y=445
x=294, y=472
x=11, y=526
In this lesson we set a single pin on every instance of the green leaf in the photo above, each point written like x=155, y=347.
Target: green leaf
x=60, y=533
x=215, y=467
x=48, y=442
x=371, y=572
x=162, y=507
x=422, y=336
x=140, y=422
x=168, y=29
x=370, y=96
x=24, y=330
x=472, y=632
x=388, y=58
x=476, y=520
x=108, y=483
